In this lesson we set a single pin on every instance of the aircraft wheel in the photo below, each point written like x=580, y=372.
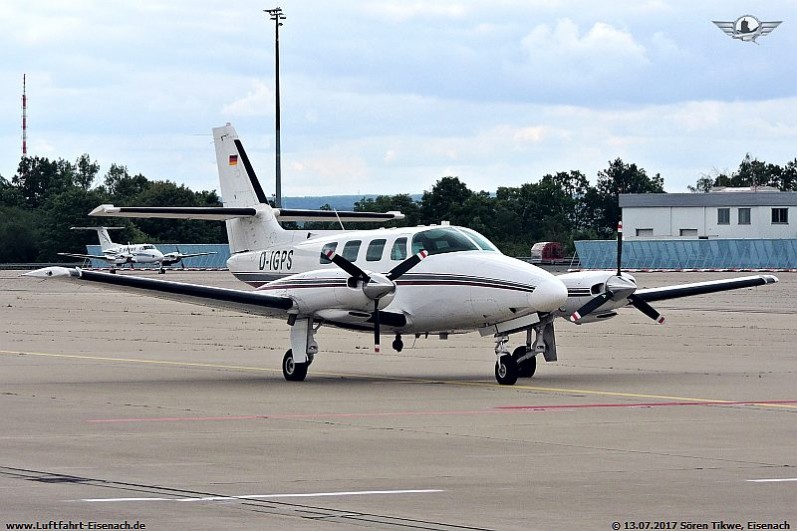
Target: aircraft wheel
x=161, y=271
x=526, y=368
x=292, y=371
x=506, y=370
x=398, y=344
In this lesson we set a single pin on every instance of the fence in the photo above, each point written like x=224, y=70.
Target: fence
x=690, y=254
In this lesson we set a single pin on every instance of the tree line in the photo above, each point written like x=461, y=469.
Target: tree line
x=45, y=197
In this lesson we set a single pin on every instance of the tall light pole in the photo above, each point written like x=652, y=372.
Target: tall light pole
x=276, y=15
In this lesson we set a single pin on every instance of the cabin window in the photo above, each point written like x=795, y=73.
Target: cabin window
x=723, y=216
x=351, y=250
x=442, y=240
x=375, y=250
x=328, y=247
x=780, y=216
x=399, y=249
x=744, y=216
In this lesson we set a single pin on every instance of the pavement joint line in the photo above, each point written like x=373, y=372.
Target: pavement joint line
x=245, y=497
x=409, y=379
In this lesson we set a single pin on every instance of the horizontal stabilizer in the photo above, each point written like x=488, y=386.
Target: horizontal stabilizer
x=293, y=214
x=225, y=213
x=96, y=228
x=206, y=213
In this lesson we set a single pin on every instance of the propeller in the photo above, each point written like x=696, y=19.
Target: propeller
x=618, y=288
x=375, y=285
x=179, y=257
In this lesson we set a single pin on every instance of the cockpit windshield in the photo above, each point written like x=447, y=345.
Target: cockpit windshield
x=481, y=241
x=449, y=240
x=147, y=247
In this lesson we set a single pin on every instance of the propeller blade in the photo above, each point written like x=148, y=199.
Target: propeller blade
x=646, y=308
x=376, y=326
x=407, y=264
x=619, y=246
x=345, y=265
x=590, y=306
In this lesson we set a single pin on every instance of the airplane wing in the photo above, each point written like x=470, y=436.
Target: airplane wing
x=88, y=256
x=243, y=301
x=702, y=288
x=187, y=255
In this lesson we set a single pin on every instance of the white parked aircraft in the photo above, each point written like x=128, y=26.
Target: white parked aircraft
x=141, y=253
x=417, y=281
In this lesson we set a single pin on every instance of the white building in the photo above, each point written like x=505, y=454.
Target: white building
x=721, y=214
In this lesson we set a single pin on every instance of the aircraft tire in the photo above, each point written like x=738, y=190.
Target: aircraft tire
x=527, y=368
x=292, y=371
x=506, y=370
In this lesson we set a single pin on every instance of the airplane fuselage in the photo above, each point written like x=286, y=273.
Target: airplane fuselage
x=136, y=254
x=473, y=284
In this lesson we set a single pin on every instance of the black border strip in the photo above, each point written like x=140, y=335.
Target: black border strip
x=251, y=172
x=231, y=211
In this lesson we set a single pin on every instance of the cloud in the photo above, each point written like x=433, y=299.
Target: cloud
x=603, y=49
x=404, y=11
x=259, y=101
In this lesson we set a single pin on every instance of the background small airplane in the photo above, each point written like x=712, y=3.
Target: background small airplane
x=426, y=280
x=142, y=253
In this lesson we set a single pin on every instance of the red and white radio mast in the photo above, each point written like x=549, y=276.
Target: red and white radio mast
x=24, y=118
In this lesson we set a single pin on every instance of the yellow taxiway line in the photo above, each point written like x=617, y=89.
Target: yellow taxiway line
x=562, y=390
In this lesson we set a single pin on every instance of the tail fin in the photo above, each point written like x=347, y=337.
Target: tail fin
x=241, y=188
x=102, y=233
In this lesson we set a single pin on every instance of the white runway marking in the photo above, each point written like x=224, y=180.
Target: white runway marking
x=774, y=480
x=268, y=496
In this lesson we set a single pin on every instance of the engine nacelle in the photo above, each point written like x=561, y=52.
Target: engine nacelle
x=327, y=289
x=586, y=285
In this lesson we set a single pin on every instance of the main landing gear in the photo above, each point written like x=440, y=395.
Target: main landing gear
x=293, y=371
x=303, y=349
x=522, y=362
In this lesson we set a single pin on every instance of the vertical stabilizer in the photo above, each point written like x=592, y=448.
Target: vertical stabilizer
x=241, y=188
x=102, y=233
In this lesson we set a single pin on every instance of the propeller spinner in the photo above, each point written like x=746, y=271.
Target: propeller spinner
x=375, y=285
x=618, y=288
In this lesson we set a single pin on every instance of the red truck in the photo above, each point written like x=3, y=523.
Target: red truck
x=547, y=253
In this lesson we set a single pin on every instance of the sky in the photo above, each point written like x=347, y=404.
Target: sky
x=387, y=97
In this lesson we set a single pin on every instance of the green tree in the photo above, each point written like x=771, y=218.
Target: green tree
x=167, y=193
x=385, y=203
x=85, y=171
x=38, y=178
x=444, y=202
x=121, y=186
x=704, y=184
x=61, y=212
x=18, y=234
x=621, y=178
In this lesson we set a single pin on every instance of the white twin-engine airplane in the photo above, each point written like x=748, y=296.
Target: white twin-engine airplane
x=117, y=254
x=407, y=281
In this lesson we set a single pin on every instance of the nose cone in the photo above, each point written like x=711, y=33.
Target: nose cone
x=549, y=295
